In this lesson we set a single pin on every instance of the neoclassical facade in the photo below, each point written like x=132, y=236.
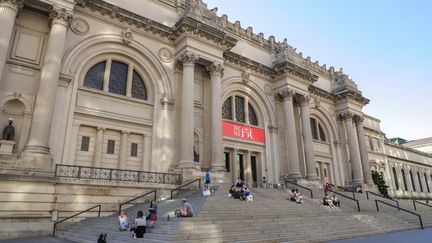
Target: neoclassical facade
x=171, y=86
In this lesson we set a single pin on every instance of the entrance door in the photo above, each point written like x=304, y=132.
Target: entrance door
x=254, y=169
x=227, y=161
x=241, y=167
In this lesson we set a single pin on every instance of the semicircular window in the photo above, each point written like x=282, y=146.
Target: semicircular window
x=243, y=110
x=318, y=132
x=95, y=76
x=119, y=80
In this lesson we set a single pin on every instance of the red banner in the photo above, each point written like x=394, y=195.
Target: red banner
x=235, y=130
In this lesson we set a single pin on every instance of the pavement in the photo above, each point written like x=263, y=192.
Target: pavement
x=417, y=236
x=44, y=239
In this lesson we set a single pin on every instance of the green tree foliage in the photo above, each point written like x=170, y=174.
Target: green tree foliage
x=380, y=183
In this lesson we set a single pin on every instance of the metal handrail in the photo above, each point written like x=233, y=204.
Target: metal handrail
x=399, y=209
x=344, y=189
x=345, y=196
x=58, y=222
x=295, y=184
x=133, y=199
x=379, y=195
x=415, y=201
x=110, y=174
x=190, y=182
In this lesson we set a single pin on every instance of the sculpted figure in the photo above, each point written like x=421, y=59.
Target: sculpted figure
x=9, y=131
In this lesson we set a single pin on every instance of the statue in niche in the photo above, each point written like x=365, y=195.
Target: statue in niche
x=9, y=131
x=196, y=155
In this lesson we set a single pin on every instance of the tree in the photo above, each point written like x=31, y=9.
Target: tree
x=380, y=183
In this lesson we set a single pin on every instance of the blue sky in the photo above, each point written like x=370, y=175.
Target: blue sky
x=385, y=47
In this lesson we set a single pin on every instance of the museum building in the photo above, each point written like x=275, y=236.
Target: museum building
x=170, y=86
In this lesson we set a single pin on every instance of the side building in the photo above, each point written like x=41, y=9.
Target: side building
x=102, y=93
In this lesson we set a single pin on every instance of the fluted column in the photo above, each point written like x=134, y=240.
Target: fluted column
x=37, y=152
x=216, y=72
x=187, y=111
x=98, y=147
x=352, y=145
x=367, y=174
x=8, y=12
x=294, y=166
x=248, y=168
x=274, y=167
x=123, y=149
x=307, y=138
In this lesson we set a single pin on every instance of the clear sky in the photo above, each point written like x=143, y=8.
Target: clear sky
x=384, y=46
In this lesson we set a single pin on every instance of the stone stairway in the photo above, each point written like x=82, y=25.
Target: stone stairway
x=269, y=218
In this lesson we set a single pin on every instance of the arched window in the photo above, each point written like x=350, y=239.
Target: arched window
x=412, y=181
x=404, y=180
x=242, y=110
x=117, y=80
x=395, y=178
x=317, y=129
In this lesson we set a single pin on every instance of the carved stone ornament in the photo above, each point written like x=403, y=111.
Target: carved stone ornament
x=127, y=36
x=268, y=90
x=303, y=99
x=359, y=119
x=15, y=4
x=215, y=69
x=286, y=94
x=189, y=58
x=165, y=55
x=317, y=102
x=246, y=76
x=60, y=16
x=79, y=26
x=346, y=115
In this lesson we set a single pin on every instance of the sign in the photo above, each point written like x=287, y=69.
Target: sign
x=242, y=132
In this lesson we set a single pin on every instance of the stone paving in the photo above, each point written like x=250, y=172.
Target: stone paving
x=45, y=239
x=417, y=236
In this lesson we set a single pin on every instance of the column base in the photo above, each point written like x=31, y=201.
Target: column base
x=186, y=164
x=294, y=176
x=312, y=178
x=357, y=182
x=38, y=158
x=218, y=168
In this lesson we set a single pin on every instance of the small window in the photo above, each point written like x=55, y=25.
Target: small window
x=317, y=170
x=325, y=172
x=412, y=181
x=110, y=147
x=321, y=133
x=395, y=178
x=314, y=129
x=134, y=150
x=419, y=180
x=85, y=142
x=426, y=182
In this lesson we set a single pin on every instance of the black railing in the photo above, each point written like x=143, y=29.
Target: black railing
x=347, y=197
x=345, y=189
x=133, y=199
x=421, y=203
x=107, y=174
x=58, y=222
x=190, y=182
x=399, y=209
x=379, y=195
x=295, y=184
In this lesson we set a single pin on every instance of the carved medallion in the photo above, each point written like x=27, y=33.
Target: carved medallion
x=268, y=90
x=79, y=26
x=165, y=55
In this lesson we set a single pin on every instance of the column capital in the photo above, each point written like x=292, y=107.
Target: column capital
x=60, y=16
x=286, y=94
x=101, y=128
x=346, y=115
x=13, y=4
x=303, y=100
x=188, y=58
x=359, y=119
x=215, y=68
x=125, y=132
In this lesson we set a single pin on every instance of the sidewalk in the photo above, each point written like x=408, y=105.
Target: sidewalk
x=42, y=239
x=417, y=236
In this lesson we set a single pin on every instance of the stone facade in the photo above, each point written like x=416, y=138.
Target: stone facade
x=170, y=86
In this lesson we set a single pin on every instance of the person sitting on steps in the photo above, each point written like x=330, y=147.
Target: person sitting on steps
x=292, y=196
x=298, y=196
x=245, y=194
x=327, y=201
x=186, y=211
x=234, y=193
x=123, y=221
x=335, y=200
x=140, y=225
x=239, y=183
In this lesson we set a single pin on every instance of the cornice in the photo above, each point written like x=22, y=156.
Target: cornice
x=352, y=95
x=322, y=93
x=288, y=68
x=248, y=64
x=408, y=149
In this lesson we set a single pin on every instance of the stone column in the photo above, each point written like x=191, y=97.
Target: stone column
x=367, y=174
x=354, y=158
x=98, y=147
x=216, y=72
x=123, y=150
x=248, y=168
x=276, y=165
x=321, y=169
x=8, y=12
x=343, y=146
x=187, y=111
x=294, y=167
x=146, y=153
x=236, y=164
x=36, y=153
x=307, y=138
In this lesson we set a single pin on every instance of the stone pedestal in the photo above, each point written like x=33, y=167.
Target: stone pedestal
x=6, y=146
x=6, y=155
